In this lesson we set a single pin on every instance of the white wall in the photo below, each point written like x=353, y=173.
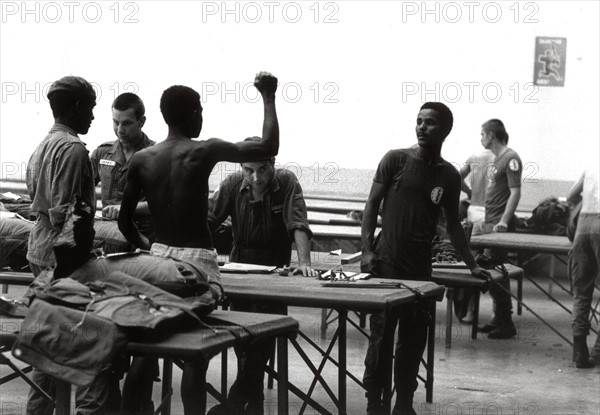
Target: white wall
x=374, y=52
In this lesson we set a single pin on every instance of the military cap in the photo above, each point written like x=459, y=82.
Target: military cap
x=75, y=85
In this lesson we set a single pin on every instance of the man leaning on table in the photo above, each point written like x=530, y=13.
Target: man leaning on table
x=268, y=213
x=110, y=162
x=415, y=184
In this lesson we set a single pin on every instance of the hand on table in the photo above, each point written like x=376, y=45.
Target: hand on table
x=367, y=262
x=306, y=271
x=481, y=273
x=500, y=227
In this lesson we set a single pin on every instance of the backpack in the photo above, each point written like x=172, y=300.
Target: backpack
x=73, y=329
x=550, y=217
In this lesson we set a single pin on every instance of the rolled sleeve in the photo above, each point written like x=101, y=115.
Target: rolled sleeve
x=219, y=205
x=294, y=210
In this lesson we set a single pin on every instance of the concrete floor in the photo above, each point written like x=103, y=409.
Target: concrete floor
x=531, y=374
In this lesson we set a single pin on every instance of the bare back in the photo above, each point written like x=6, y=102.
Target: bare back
x=174, y=178
x=173, y=175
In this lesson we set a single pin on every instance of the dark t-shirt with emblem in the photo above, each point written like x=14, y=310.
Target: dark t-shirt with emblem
x=415, y=193
x=505, y=173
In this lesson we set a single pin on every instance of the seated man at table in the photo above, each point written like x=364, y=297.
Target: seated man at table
x=173, y=175
x=110, y=162
x=501, y=200
x=414, y=184
x=268, y=213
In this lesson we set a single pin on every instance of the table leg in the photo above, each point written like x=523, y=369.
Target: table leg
x=476, y=298
x=323, y=323
x=551, y=273
x=449, y=298
x=63, y=398
x=224, y=373
x=342, y=317
x=386, y=358
x=430, y=356
x=167, y=384
x=282, y=376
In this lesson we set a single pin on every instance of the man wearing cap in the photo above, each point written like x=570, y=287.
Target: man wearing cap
x=110, y=162
x=268, y=213
x=58, y=170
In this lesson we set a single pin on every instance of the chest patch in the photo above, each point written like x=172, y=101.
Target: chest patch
x=436, y=194
x=513, y=164
x=104, y=162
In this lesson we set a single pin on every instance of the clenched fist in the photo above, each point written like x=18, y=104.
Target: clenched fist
x=265, y=83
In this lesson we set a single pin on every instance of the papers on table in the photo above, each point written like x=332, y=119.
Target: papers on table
x=240, y=268
x=11, y=195
x=345, y=276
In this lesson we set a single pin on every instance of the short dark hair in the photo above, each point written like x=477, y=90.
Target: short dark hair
x=177, y=105
x=446, y=116
x=129, y=100
x=497, y=127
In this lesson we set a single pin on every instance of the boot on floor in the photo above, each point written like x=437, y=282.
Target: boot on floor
x=581, y=354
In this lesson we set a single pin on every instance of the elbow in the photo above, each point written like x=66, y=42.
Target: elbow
x=274, y=146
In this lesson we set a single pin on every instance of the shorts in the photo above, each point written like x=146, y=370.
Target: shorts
x=205, y=259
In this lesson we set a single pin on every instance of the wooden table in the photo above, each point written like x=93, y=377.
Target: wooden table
x=309, y=292
x=556, y=246
x=460, y=277
x=199, y=346
x=454, y=276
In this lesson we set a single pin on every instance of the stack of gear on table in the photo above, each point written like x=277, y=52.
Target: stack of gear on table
x=550, y=217
x=82, y=313
x=14, y=231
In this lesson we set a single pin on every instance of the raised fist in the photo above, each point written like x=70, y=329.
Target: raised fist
x=265, y=83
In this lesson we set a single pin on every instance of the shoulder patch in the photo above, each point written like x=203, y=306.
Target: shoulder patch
x=513, y=164
x=436, y=194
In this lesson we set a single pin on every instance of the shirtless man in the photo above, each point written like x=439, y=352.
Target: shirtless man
x=173, y=175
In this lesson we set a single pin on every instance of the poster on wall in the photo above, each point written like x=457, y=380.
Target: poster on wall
x=550, y=61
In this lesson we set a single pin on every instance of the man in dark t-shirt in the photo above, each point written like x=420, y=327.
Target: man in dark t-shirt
x=501, y=200
x=415, y=184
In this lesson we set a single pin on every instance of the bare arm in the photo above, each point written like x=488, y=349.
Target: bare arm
x=254, y=150
x=574, y=195
x=509, y=211
x=112, y=211
x=369, y=223
x=303, y=248
x=458, y=238
x=133, y=191
x=464, y=172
